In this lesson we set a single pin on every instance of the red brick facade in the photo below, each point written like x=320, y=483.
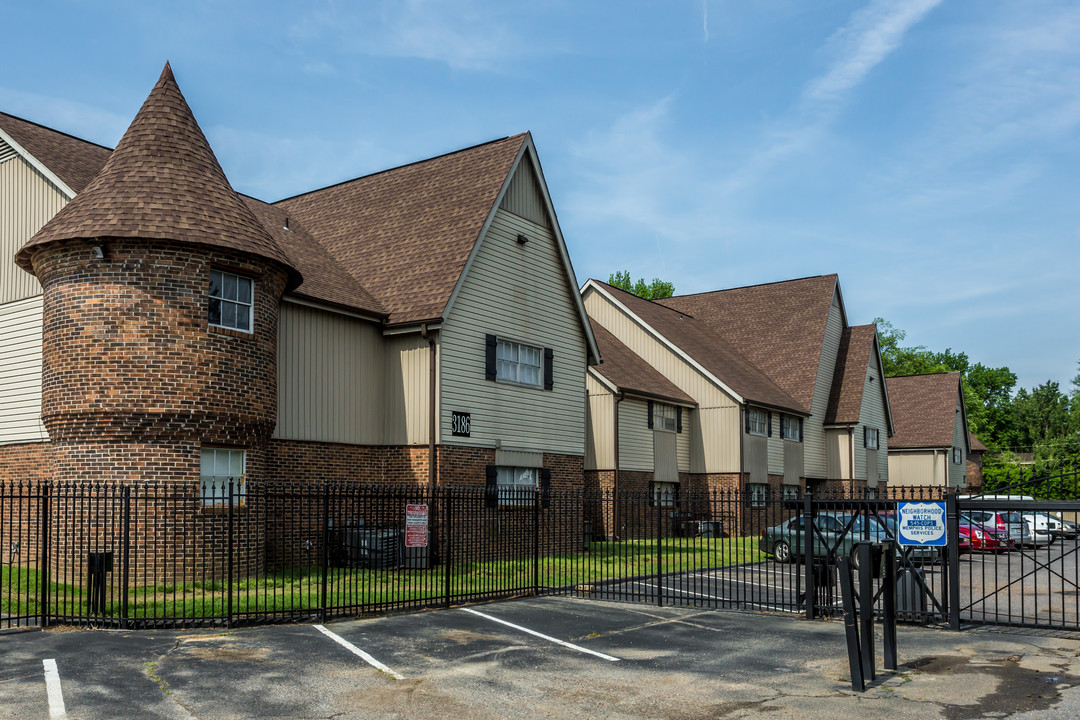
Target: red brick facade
x=26, y=462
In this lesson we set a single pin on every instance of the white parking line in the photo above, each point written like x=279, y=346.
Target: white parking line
x=358, y=652
x=52, y=687
x=541, y=635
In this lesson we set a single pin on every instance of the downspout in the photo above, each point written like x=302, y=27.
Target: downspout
x=742, y=442
x=851, y=452
x=615, y=489
x=432, y=475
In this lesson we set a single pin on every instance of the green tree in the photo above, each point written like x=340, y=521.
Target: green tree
x=655, y=290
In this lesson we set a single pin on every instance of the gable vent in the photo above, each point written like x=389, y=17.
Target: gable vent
x=6, y=151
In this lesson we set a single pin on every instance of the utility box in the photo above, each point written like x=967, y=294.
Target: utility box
x=911, y=600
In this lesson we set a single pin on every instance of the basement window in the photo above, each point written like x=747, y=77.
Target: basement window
x=220, y=469
x=231, y=303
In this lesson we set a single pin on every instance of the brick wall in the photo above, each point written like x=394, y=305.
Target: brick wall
x=26, y=462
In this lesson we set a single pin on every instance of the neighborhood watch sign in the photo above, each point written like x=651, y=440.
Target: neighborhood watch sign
x=922, y=523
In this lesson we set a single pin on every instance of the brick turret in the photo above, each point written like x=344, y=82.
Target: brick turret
x=142, y=366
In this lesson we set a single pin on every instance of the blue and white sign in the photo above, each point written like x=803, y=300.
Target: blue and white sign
x=922, y=523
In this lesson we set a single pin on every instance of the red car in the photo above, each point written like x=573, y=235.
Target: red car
x=982, y=538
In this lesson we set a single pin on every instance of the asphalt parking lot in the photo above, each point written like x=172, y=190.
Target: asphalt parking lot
x=539, y=657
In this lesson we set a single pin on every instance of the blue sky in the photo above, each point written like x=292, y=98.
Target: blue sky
x=927, y=151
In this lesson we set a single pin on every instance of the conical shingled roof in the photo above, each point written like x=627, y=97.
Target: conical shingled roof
x=162, y=182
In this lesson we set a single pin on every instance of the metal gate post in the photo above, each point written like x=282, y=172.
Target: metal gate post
x=124, y=575
x=43, y=555
x=808, y=552
x=851, y=625
x=325, y=550
x=229, y=563
x=888, y=595
x=536, y=543
x=659, y=556
x=952, y=537
x=866, y=607
x=448, y=501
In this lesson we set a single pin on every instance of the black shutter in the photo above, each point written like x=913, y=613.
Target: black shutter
x=652, y=493
x=489, y=357
x=678, y=419
x=549, y=368
x=746, y=417
x=545, y=487
x=768, y=424
x=800, y=429
x=491, y=489
x=650, y=414
x=866, y=437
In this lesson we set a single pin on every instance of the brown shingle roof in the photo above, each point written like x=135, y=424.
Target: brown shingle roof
x=74, y=161
x=976, y=444
x=923, y=409
x=780, y=327
x=162, y=182
x=849, y=379
x=324, y=279
x=711, y=351
x=406, y=233
x=628, y=371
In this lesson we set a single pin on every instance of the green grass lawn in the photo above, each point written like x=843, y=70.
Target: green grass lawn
x=300, y=590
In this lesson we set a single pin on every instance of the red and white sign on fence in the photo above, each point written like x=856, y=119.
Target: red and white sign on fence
x=416, y=525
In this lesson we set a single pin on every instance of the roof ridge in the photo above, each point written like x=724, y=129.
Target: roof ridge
x=400, y=167
x=747, y=287
x=54, y=130
x=928, y=374
x=656, y=302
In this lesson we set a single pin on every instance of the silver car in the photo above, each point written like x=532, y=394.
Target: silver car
x=1001, y=520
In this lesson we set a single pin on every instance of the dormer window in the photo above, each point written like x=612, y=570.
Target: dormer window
x=231, y=304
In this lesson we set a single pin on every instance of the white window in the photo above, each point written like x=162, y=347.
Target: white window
x=665, y=493
x=231, y=301
x=789, y=428
x=790, y=492
x=870, y=438
x=664, y=417
x=757, y=422
x=517, y=486
x=518, y=363
x=957, y=456
x=758, y=494
x=219, y=467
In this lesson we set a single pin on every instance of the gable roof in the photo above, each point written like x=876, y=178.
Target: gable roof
x=779, y=327
x=713, y=353
x=849, y=379
x=162, y=182
x=627, y=371
x=323, y=278
x=976, y=444
x=924, y=409
x=407, y=233
x=74, y=162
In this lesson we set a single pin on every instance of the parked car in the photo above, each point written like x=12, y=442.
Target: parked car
x=1069, y=529
x=984, y=538
x=1010, y=523
x=1044, y=526
x=784, y=541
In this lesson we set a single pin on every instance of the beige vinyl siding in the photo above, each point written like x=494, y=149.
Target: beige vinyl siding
x=715, y=439
x=20, y=372
x=684, y=440
x=916, y=467
x=814, y=453
x=27, y=202
x=330, y=377
x=776, y=447
x=872, y=414
x=524, y=197
x=600, y=428
x=408, y=387
x=665, y=456
x=958, y=473
x=793, y=461
x=756, y=460
x=838, y=453
x=519, y=293
x=635, y=436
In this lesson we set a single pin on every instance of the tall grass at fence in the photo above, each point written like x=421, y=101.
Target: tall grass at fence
x=351, y=590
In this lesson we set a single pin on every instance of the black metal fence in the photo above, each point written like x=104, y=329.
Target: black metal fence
x=181, y=555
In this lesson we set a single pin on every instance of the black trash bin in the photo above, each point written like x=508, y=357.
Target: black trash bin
x=97, y=565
